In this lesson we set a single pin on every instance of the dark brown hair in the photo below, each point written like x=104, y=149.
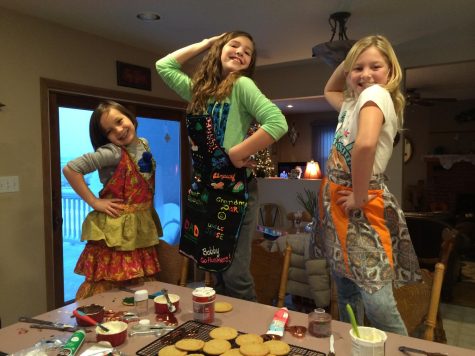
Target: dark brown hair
x=208, y=80
x=96, y=132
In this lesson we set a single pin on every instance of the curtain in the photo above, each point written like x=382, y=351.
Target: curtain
x=322, y=139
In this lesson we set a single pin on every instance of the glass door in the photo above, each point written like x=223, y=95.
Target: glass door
x=162, y=129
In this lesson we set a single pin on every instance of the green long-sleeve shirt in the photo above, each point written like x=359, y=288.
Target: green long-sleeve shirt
x=245, y=103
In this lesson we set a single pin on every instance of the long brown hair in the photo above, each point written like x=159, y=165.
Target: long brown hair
x=208, y=80
x=395, y=73
x=96, y=132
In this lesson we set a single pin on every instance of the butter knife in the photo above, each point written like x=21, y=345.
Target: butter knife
x=332, y=349
x=406, y=349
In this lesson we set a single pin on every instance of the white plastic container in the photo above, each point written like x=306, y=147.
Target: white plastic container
x=370, y=343
x=141, y=302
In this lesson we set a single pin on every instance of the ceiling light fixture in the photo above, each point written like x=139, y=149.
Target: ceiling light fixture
x=333, y=53
x=290, y=106
x=148, y=16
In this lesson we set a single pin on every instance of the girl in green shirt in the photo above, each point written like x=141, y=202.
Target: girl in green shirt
x=220, y=213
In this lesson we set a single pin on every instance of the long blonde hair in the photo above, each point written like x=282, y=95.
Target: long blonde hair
x=395, y=73
x=208, y=81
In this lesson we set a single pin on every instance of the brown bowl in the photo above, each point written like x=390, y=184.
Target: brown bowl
x=116, y=335
x=161, y=303
x=94, y=311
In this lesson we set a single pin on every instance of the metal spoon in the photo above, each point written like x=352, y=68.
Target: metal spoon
x=170, y=306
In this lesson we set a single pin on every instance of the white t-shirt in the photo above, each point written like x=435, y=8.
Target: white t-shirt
x=347, y=129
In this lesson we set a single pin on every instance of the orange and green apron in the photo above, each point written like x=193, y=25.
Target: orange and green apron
x=216, y=202
x=122, y=250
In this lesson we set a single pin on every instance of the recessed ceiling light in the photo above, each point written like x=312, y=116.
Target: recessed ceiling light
x=290, y=106
x=148, y=16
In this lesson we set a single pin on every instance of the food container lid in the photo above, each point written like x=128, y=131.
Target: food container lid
x=203, y=294
x=144, y=322
x=140, y=295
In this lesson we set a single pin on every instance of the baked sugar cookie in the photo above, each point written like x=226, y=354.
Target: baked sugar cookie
x=216, y=347
x=222, y=307
x=189, y=344
x=223, y=333
x=249, y=339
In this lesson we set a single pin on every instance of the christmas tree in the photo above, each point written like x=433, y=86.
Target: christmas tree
x=265, y=166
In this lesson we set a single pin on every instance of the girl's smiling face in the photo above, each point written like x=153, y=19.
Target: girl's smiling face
x=118, y=128
x=236, y=55
x=371, y=67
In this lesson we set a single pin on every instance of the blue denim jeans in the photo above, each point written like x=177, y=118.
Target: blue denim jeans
x=237, y=280
x=380, y=307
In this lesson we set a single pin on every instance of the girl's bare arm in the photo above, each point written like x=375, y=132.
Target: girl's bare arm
x=334, y=88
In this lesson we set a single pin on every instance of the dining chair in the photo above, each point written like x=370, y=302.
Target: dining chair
x=418, y=304
x=197, y=274
x=270, y=272
x=171, y=263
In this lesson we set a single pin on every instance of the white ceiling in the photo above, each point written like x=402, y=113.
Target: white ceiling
x=284, y=30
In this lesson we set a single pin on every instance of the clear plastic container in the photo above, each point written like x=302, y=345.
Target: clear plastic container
x=141, y=302
x=319, y=323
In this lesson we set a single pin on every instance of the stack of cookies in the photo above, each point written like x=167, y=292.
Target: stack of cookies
x=221, y=343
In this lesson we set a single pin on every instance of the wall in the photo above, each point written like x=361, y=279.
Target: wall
x=433, y=128
x=33, y=49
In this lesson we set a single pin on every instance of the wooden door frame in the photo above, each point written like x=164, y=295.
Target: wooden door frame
x=50, y=90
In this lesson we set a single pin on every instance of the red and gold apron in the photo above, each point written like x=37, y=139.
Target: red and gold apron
x=121, y=249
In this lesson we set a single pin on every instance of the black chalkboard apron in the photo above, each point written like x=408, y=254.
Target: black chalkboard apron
x=216, y=202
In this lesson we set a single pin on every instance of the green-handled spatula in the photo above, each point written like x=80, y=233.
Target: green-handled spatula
x=352, y=320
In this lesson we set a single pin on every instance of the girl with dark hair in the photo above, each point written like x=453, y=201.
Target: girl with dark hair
x=123, y=229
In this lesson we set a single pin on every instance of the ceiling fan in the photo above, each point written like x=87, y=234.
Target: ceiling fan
x=414, y=97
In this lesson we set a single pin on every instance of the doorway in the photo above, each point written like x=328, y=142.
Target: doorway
x=68, y=135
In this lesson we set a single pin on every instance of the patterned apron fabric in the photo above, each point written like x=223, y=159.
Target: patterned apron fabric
x=110, y=257
x=372, y=246
x=216, y=202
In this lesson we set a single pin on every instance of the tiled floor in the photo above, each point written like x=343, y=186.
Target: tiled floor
x=459, y=325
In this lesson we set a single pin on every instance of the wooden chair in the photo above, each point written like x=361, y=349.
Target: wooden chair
x=270, y=273
x=418, y=304
x=175, y=267
x=185, y=274
x=171, y=263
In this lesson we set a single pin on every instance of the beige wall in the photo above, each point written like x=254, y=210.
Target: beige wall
x=30, y=50
x=33, y=49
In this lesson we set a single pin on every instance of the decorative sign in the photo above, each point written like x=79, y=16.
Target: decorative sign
x=133, y=76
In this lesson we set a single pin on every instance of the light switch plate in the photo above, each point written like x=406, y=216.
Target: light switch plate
x=9, y=184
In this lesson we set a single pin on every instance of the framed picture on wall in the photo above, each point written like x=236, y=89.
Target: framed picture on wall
x=133, y=76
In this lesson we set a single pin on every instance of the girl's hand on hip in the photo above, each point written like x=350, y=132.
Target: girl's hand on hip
x=347, y=201
x=112, y=207
x=248, y=162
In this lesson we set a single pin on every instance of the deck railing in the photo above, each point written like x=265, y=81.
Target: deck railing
x=74, y=211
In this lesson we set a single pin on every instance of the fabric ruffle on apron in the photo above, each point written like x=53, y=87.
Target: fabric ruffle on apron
x=372, y=246
x=216, y=201
x=123, y=248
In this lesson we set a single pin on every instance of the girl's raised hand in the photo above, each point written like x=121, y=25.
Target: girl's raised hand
x=213, y=39
x=112, y=207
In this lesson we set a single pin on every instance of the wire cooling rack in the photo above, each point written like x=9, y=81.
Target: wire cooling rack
x=197, y=330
